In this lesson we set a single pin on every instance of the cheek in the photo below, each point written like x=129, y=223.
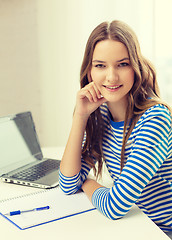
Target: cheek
x=96, y=76
x=93, y=75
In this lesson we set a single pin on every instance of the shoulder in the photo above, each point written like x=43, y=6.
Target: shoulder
x=158, y=111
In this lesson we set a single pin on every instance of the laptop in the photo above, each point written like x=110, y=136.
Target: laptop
x=21, y=158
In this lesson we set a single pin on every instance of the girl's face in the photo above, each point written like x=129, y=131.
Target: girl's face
x=111, y=71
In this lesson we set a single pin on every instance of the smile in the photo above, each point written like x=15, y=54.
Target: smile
x=113, y=88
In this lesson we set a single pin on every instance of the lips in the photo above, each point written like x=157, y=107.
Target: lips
x=112, y=88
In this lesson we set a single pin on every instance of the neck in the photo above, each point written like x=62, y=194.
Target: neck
x=117, y=111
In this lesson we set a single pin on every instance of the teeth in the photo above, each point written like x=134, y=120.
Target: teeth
x=113, y=87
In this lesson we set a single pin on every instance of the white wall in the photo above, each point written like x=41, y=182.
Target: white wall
x=19, y=59
x=64, y=27
x=163, y=49
x=41, y=48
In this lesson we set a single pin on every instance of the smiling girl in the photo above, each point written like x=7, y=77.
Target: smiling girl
x=119, y=119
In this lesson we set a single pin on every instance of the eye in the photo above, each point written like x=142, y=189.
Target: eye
x=99, y=65
x=123, y=64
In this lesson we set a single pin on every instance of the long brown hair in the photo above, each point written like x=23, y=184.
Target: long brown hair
x=143, y=95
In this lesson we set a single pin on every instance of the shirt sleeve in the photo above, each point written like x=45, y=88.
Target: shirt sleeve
x=148, y=154
x=70, y=185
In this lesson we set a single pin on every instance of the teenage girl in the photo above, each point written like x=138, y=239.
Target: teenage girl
x=120, y=119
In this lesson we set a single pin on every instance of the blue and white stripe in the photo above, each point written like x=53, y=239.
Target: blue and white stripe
x=146, y=178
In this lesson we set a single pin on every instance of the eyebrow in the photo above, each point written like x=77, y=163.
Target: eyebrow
x=123, y=59
x=98, y=61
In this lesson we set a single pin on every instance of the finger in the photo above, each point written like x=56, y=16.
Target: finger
x=93, y=93
x=97, y=91
x=84, y=93
x=89, y=96
x=90, y=92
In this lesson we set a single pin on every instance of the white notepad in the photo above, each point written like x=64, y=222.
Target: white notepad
x=61, y=206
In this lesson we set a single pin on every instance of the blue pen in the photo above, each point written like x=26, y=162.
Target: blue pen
x=18, y=212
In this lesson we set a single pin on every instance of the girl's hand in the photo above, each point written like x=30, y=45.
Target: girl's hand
x=88, y=100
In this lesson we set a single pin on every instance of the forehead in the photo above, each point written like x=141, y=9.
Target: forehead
x=110, y=49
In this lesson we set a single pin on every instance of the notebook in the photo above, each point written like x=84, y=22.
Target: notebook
x=60, y=206
x=21, y=158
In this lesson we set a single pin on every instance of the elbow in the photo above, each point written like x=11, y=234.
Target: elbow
x=65, y=191
x=68, y=190
x=69, y=185
x=115, y=214
x=114, y=217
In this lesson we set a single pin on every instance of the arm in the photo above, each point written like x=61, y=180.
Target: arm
x=147, y=156
x=71, y=161
x=89, y=187
x=88, y=100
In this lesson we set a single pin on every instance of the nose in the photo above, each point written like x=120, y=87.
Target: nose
x=112, y=75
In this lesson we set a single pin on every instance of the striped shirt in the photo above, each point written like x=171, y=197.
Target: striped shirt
x=146, y=178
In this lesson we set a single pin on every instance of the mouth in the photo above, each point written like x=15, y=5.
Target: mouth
x=112, y=88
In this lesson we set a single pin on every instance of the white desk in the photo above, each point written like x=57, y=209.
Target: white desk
x=91, y=225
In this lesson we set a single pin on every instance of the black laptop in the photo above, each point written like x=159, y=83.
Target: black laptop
x=21, y=158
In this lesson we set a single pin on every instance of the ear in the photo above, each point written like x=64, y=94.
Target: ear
x=89, y=77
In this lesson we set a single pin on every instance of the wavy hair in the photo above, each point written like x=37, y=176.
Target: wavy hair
x=143, y=95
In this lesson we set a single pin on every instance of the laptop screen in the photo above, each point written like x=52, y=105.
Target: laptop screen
x=18, y=142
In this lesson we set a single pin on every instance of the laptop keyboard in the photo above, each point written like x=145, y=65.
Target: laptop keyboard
x=37, y=171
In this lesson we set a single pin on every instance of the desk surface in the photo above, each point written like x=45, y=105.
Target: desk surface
x=91, y=225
